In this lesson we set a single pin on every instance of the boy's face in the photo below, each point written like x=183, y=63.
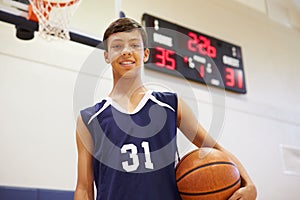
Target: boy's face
x=126, y=53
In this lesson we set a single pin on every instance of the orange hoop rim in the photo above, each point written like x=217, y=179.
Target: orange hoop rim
x=35, y=3
x=56, y=4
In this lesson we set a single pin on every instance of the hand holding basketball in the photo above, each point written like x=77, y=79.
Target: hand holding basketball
x=244, y=193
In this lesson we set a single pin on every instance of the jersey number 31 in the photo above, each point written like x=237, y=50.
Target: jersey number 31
x=134, y=156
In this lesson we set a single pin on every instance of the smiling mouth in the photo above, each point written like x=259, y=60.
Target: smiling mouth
x=127, y=63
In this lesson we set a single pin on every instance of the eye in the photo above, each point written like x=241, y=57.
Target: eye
x=136, y=46
x=116, y=46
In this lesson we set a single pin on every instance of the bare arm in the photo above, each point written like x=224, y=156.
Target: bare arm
x=192, y=129
x=85, y=180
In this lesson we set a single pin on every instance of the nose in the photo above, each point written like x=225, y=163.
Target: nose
x=126, y=51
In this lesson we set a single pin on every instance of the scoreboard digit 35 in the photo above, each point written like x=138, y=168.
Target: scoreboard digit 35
x=176, y=50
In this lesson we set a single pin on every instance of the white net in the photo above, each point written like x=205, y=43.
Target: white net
x=54, y=17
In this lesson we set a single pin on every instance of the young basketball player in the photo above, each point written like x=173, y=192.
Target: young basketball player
x=127, y=142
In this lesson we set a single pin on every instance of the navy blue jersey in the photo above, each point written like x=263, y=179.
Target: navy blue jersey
x=134, y=153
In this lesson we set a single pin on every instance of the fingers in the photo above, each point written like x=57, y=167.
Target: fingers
x=237, y=195
x=244, y=193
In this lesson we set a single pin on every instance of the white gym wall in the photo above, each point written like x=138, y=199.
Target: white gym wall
x=37, y=82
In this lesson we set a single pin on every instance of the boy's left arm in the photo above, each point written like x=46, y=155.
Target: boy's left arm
x=193, y=130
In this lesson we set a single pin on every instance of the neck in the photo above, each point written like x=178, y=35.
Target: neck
x=127, y=87
x=128, y=92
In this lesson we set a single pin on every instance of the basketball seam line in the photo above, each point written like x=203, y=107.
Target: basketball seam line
x=211, y=192
x=202, y=166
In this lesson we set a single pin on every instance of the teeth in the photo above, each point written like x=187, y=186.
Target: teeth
x=126, y=63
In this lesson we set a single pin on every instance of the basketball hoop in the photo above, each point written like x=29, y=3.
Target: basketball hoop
x=53, y=16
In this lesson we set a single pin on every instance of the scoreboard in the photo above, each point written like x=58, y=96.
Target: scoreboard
x=177, y=50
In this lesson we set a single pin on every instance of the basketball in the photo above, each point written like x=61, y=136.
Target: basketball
x=207, y=174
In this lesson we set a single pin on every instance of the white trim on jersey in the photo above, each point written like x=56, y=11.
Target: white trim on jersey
x=148, y=95
x=106, y=104
x=161, y=103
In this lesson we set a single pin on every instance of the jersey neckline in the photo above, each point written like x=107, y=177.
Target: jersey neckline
x=140, y=105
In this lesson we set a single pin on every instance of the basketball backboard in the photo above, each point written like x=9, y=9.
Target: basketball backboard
x=88, y=22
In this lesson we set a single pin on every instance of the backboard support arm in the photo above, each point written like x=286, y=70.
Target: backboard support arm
x=26, y=28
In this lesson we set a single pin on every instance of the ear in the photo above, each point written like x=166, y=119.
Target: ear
x=106, y=57
x=146, y=54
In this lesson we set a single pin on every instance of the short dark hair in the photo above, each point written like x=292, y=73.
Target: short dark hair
x=124, y=25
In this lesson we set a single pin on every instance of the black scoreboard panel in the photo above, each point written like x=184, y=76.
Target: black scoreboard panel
x=175, y=50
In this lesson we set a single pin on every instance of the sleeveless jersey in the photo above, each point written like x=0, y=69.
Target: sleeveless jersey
x=134, y=153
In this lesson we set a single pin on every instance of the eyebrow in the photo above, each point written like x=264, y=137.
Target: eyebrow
x=120, y=40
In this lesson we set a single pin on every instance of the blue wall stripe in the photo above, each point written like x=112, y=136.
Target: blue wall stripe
x=20, y=193
x=55, y=194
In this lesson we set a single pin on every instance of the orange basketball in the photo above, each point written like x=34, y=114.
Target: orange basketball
x=207, y=174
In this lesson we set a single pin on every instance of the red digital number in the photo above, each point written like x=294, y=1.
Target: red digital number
x=192, y=42
x=201, y=71
x=240, y=79
x=211, y=52
x=165, y=59
x=171, y=60
x=230, y=80
x=201, y=44
x=160, y=56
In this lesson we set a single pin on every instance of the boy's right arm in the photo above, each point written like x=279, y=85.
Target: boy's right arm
x=85, y=179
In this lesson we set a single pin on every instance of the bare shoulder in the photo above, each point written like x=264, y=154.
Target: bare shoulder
x=79, y=123
x=83, y=135
x=183, y=111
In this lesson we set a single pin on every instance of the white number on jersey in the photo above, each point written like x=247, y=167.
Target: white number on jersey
x=134, y=156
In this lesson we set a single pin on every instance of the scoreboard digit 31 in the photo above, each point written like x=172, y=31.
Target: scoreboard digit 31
x=175, y=50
